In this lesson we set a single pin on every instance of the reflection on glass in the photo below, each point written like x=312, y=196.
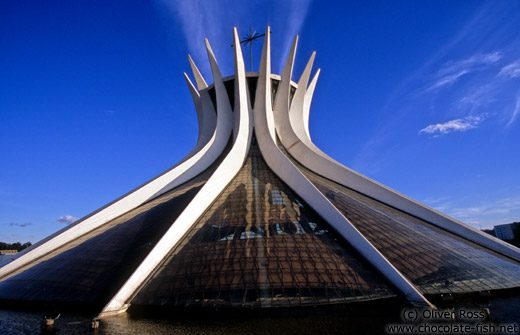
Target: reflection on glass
x=258, y=246
x=435, y=260
x=90, y=269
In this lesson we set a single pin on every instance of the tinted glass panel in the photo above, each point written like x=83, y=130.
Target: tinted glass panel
x=94, y=266
x=258, y=245
x=435, y=260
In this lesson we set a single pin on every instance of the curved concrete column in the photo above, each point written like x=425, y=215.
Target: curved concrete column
x=206, y=115
x=298, y=101
x=287, y=113
x=300, y=108
x=226, y=171
x=265, y=126
x=307, y=105
x=221, y=131
x=199, y=79
x=292, y=130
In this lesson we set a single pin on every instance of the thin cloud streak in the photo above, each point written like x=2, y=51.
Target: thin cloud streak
x=511, y=70
x=489, y=213
x=199, y=20
x=447, y=80
x=458, y=125
x=25, y=224
x=515, y=113
x=297, y=11
x=451, y=71
x=477, y=97
x=471, y=62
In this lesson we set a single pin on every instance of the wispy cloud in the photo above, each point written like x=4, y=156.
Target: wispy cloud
x=66, y=219
x=457, y=125
x=470, y=63
x=296, y=12
x=25, y=224
x=447, y=79
x=511, y=70
x=452, y=71
x=477, y=97
x=488, y=213
x=503, y=206
x=214, y=20
x=199, y=20
x=515, y=113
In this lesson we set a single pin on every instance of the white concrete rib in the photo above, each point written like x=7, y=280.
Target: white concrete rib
x=307, y=104
x=206, y=115
x=222, y=130
x=214, y=134
x=199, y=79
x=300, y=108
x=294, y=134
x=226, y=171
x=265, y=130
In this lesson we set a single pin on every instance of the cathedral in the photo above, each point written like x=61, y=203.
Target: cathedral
x=257, y=216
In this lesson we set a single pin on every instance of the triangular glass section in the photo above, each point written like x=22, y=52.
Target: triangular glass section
x=434, y=260
x=259, y=245
x=89, y=270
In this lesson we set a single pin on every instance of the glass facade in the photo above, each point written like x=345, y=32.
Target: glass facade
x=434, y=260
x=258, y=245
x=90, y=269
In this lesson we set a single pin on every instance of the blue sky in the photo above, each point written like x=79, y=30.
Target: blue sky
x=423, y=96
